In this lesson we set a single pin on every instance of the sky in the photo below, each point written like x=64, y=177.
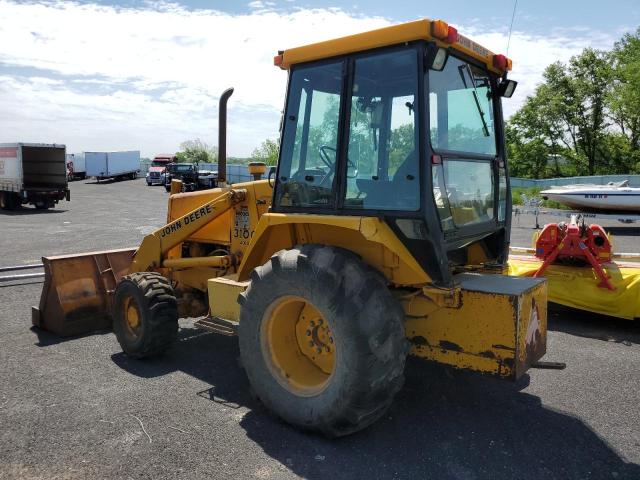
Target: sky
x=146, y=75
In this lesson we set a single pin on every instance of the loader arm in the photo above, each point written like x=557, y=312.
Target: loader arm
x=154, y=246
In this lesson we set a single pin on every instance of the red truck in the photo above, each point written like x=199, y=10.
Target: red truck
x=157, y=170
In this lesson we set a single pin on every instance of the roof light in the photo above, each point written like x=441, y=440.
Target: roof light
x=440, y=29
x=452, y=35
x=502, y=63
x=278, y=60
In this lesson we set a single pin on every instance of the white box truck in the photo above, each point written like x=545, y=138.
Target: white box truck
x=76, y=169
x=116, y=165
x=32, y=173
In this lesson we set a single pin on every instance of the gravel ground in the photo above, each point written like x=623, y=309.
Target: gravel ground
x=79, y=408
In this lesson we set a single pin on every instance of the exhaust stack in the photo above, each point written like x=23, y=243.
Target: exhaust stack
x=222, y=135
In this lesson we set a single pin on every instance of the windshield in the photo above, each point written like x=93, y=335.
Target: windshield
x=180, y=168
x=382, y=158
x=461, y=109
x=157, y=163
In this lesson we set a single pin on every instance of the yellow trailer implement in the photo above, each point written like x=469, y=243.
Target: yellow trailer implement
x=577, y=286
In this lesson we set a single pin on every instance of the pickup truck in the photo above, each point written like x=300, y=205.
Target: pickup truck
x=192, y=177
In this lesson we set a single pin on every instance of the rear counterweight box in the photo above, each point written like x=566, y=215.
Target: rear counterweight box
x=497, y=324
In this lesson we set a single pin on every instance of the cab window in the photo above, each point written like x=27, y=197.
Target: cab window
x=461, y=109
x=308, y=158
x=382, y=160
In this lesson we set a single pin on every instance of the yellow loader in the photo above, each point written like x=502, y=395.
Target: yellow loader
x=383, y=232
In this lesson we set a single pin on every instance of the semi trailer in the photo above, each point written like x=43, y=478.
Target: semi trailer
x=32, y=173
x=115, y=165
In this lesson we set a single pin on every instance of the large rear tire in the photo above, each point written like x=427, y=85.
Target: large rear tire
x=322, y=340
x=145, y=314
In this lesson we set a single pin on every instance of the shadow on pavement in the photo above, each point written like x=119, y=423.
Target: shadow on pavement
x=47, y=339
x=30, y=211
x=592, y=325
x=626, y=231
x=443, y=424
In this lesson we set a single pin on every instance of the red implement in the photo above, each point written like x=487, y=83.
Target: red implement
x=574, y=243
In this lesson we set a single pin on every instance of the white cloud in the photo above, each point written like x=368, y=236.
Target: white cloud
x=149, y=78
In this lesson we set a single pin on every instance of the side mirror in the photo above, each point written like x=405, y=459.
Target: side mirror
x=436, y=57
x=272, y=176
x=506, y=88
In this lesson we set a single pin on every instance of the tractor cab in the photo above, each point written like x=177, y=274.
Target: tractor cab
x=411, y=134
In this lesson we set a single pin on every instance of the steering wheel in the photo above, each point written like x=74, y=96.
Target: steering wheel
x=324, y=156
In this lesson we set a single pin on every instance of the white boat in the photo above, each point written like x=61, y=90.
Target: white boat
x=610, y=197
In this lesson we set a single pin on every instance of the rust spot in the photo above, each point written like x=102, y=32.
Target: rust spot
x=444, y=344
x=487, y=354
x=419, y=340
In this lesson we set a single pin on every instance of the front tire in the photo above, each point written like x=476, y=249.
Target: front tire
x=322, y=340
x=145, y=314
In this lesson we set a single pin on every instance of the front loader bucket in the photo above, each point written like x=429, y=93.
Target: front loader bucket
x=77, y=292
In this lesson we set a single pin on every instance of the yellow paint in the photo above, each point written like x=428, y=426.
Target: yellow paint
x=223, y=297
x=369, y=237
x=156, y=245
x=131, y=314
x=291, y=354
x=188, y=262
x=383, y=37
x=577, y=287
x=195, y=277
x=481, y=332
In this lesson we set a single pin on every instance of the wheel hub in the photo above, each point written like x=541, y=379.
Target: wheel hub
x=132, y=315
x=298, y=345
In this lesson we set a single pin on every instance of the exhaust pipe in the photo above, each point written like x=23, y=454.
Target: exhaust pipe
x=222, y=135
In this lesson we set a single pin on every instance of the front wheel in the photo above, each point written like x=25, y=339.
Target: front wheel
x=322, y=340
x=145, y=314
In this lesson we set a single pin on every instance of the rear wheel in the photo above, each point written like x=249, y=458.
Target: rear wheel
x=8, y=200
x=321, y=339
x=145, y=314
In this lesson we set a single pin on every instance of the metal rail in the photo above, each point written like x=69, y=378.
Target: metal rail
x=21, y=276
x=627, y=218
x=621, y=255
x=20, y=267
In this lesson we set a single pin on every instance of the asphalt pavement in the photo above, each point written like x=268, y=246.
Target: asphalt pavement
x=80, y=408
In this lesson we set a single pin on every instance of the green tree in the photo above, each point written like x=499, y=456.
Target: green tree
x=267, y=152
x=624, y=97
x=197, y=151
